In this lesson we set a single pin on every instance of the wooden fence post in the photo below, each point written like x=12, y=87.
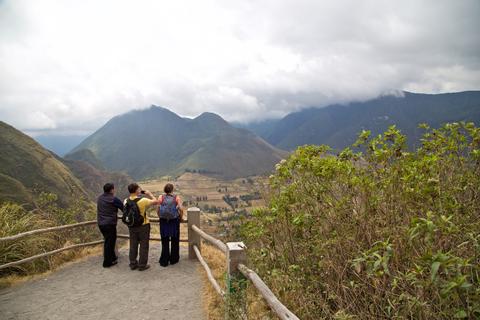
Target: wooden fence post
x=193, y=216
x=236, y=282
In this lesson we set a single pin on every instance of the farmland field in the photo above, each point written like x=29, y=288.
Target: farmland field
x=211, y=196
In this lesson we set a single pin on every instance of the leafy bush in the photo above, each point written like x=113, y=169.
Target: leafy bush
x=379, y=232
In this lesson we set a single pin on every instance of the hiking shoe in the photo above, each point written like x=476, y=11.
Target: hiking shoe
x=133, y=267
x=163, y=264
x=111, y=264
x=144, y=268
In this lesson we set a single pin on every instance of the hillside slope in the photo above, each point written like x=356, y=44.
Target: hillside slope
x=94, y=178
x=156, y=142
x=26, y=168
x=338, y=125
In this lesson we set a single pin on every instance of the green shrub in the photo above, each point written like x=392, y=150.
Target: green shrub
x=376, y=233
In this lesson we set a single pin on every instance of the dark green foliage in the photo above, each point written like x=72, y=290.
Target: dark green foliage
x=384, y=234
x=338, y=125
x=157, y=142
x=248, y=197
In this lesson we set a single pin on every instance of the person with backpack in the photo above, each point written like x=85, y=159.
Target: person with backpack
x=170, y=214
x=135, y=217
x=107, y=208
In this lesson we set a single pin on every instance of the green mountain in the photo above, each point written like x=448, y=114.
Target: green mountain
x=339, y=125
x=26, y=169
x=156, y=142
x=87, y=156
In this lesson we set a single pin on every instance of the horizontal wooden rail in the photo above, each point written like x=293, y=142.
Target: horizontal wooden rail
x=152, y=219
x=126, y=236
x=58, y=228
x=209, y=272
x=219, y=244
x=280, y=310
x=45, y=230
x=46, y=254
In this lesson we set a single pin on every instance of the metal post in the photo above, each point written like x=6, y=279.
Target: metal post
x=236, y=282
x=193, y=216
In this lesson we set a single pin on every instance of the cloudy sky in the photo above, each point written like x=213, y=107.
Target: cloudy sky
x=67, y=66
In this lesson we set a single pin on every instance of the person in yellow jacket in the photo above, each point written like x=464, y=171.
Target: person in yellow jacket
x=140, y=235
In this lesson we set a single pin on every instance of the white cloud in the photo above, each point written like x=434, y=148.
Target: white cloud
x=75, y=64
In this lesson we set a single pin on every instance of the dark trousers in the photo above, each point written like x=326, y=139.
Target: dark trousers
x=139, y=236
x=110, y=235
x=170, y=255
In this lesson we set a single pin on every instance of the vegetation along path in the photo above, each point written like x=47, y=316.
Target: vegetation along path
x=85, y=290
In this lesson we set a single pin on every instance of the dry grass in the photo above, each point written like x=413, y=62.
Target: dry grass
x=56, y=263
x=15, y=219
x=213, y=304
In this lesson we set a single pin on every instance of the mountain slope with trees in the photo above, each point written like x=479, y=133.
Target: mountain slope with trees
x=338, y=125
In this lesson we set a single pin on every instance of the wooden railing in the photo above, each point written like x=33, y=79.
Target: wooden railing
x=235, y=261
x=234, y=252
x=74, y=246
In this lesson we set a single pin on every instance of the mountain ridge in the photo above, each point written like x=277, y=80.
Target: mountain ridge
x=156, y=142
x=338, y=125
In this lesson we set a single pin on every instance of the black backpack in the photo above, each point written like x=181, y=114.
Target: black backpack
x=131, y=213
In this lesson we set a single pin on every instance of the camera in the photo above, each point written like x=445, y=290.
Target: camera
x=142, y=192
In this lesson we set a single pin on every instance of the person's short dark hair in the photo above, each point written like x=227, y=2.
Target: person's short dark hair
x=108, y=187
x=168, y=188
x=132, y=187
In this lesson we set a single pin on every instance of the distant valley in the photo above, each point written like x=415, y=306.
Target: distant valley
x=60, y=144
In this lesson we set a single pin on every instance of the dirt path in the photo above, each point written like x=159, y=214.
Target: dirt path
x=85, y=290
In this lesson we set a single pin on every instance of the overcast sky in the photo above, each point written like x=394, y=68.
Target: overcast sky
x=68, y=66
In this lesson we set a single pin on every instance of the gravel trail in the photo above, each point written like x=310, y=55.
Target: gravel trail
x=85, y=290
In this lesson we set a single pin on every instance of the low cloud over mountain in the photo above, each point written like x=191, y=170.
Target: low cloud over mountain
x=69, y=66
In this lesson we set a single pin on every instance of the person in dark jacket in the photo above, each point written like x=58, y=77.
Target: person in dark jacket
x=107, y=208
